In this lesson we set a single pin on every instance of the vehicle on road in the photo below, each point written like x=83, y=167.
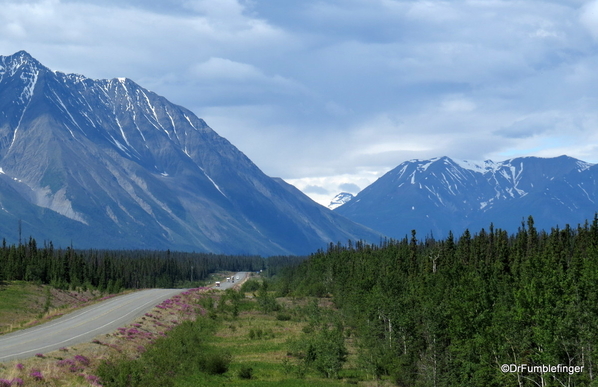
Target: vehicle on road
x=217, y=284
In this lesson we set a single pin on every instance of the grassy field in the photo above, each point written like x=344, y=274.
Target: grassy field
x=20, y=302
x=25, y=304
x=260, y=342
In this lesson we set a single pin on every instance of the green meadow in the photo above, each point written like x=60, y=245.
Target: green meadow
x=247, y=339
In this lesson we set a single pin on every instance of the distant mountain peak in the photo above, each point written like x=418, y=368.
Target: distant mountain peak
x=20, y=57
x=340, y=199
x=442, y=194
x=13, y=62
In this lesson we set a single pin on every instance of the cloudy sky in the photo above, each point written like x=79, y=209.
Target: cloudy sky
x=331, y=94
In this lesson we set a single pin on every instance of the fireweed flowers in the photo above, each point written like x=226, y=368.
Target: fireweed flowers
x=36, y=375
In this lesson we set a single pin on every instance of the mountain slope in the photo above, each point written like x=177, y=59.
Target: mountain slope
x=133, y=170
x=439, y=195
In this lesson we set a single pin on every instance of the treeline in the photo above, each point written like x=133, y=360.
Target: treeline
x=111, y=270
x=452, y=312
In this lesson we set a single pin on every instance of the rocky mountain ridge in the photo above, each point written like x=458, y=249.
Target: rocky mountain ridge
x=109, y=164
x=440, y=195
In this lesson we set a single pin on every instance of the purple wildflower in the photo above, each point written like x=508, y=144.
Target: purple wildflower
x=82, y=359
x=19, y=366
x=39, y=355
x=36, y=374
x=17, y=382
x=65, y=362
x=75, y=368
x=5, y=383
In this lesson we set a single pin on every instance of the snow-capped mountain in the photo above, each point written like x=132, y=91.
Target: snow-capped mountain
x=441, y=194
x=340, y=199
x=109, y=164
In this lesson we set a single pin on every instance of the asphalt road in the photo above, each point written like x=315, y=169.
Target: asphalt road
x=227, y=285
x=82, y=325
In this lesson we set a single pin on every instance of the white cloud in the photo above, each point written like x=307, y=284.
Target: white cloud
x=104, y=39
x=589, y=17
x=14, y=30
x=220, y=9
x=330, y=92
x=221, y=71
x=434, y=11
x=220, y=68
x=457, y=104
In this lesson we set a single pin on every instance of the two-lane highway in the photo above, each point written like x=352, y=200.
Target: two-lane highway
x=227, y=285
x=82, y=325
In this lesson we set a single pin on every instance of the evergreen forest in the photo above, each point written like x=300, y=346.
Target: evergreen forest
x=480, y=309
x=113, y=270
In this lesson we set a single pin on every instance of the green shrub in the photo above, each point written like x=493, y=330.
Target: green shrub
x=322, y=350
x=123, y=373
x=283, y=316
x=245, y=373
x=250, y=286
x=183, y=351
x=207, y=303
x=217, y=363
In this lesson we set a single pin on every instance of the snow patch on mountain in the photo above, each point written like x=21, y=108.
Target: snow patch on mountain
x=582, y=165
x=476, y=166
x=340, y=199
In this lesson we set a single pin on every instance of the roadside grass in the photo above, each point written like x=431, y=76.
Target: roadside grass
x=13, y=294
x=26, y=304
x=19, y=303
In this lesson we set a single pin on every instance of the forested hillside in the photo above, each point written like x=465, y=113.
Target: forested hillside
x=112, y=270
x=452, y=312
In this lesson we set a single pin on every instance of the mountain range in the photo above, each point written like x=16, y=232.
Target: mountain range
x=440, y=195
x=109, y=164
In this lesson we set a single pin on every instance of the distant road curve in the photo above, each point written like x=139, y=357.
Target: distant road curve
x=82, y=325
